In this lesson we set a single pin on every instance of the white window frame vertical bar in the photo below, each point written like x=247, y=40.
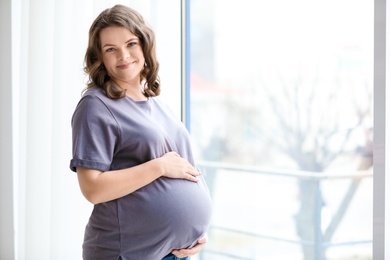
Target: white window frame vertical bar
x=385, y=108
x=185, y=61
x=7, y=241
x=381, y=233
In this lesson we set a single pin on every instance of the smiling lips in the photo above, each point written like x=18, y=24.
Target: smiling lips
x=124, y=66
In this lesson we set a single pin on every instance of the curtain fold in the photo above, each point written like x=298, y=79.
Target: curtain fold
x=51, y=210
x=39, y=150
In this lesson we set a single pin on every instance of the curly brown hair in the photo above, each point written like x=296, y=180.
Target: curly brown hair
x=121, y=16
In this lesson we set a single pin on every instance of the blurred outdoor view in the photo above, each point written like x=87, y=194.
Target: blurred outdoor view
x=281, y=116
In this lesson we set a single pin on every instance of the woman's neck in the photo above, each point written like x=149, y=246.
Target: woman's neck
x=133, y=90
x=136, y=94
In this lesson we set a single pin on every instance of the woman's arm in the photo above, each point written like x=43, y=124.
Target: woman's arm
x=98, y=186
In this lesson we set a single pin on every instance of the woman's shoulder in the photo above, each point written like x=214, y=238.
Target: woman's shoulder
x=93, y=106
x=159, y=101
x=98, y=97
x=93, y=100
x=95, y=92
x=163, y=102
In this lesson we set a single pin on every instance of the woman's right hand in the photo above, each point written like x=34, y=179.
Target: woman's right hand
x=177, y=167
x=98, y=186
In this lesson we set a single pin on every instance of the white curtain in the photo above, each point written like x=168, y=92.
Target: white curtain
x=49, y=46
x=43, y=213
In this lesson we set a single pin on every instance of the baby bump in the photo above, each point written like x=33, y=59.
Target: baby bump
x=169, y=211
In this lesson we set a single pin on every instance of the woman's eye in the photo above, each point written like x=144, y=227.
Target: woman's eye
x=110, y=49
x=131, y=44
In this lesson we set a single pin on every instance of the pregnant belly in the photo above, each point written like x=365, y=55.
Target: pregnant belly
x=164, y=215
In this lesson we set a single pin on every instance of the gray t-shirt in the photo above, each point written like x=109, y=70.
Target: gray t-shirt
x=149, y=223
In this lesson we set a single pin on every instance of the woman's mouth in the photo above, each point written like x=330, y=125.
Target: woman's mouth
x=124, y=66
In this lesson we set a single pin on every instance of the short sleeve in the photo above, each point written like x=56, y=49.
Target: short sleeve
x=94, y=135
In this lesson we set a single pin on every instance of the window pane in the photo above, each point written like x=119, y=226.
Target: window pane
x=281, y=117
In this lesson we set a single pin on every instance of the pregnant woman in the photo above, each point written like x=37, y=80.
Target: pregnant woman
x=132, y=156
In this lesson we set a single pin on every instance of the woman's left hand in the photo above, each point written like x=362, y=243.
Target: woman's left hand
x=181, y=253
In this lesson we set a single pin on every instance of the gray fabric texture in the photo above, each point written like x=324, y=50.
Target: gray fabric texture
x=152, y=221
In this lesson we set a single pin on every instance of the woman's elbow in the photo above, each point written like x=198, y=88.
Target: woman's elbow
x=88, y=185
x=92, y=197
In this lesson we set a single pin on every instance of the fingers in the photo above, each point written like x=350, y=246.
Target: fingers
x=178, y=168
x=181, y=253
x=203, y=239
x=192, y=174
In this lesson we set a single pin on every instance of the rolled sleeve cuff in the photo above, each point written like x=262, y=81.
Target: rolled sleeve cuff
x=88, y=164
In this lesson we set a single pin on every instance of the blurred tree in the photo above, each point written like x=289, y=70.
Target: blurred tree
x=314, y=140
x=310, y=126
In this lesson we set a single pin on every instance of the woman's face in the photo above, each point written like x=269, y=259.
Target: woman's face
x=122, y=55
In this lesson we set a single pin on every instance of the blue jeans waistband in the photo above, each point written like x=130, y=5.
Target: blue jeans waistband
x=173, y=257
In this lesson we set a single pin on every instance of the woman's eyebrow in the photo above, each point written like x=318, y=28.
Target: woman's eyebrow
x=108, y=44
x=132, y=39
x=129, y=40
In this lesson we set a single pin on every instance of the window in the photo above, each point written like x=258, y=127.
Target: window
x=281, y=115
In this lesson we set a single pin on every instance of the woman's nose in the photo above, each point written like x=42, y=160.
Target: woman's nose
x=124, y=54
